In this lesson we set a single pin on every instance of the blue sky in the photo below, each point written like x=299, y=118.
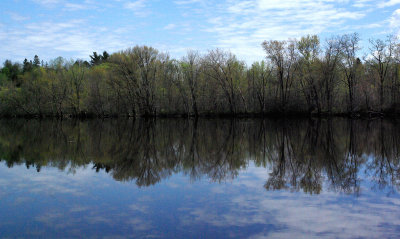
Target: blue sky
x=74, y=29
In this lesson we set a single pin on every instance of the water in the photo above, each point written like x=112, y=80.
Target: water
x=200, y=179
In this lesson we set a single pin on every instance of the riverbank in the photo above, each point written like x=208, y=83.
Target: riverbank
x=83, y=115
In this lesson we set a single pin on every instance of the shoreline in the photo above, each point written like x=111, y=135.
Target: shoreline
x=287, y=115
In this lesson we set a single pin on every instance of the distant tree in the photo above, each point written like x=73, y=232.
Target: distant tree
x=95, y=59
x=105, y=56
x=27, y=66
x=11, y=70
x=36, y=61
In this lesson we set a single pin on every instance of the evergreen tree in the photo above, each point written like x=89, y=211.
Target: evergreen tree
x=95, y=59
x=27, y=66
x=36, y=61
x=105, y=56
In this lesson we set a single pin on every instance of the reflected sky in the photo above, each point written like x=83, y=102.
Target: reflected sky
x=206, y=179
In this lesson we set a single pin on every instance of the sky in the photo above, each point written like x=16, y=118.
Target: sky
x=75, y=29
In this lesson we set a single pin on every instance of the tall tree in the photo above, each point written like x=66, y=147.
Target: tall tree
x=95, y=59
x=259, y=76
x=36, y=61
x=191, y=73
x=105, y=56
x=381, y=56
x=329, y=68
x=350, y=63
x=12, y=71
x=283, y=56
x=27, y=66
x=226, y=71
x=309, y=49
x=77, y=74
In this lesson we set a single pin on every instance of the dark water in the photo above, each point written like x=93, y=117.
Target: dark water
x=206, y=179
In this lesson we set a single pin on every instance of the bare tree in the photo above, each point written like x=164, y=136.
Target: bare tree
x=283, y=56
x=350, y=63
x=258, y=76
x=191, y=70
x=329, y=65
x=227, y=71
x=309, y=49
x=77, y=79
x=381, y=56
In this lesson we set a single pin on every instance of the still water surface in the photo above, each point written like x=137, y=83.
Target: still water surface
x=200, y=179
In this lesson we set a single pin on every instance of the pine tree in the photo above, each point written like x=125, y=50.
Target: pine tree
x=105, y=56
x=27, y=66
x=36, y=61
x=95, y=59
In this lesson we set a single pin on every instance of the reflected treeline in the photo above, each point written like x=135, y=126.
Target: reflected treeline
x=307, y=155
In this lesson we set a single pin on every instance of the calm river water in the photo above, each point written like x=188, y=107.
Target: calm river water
x=175, y=178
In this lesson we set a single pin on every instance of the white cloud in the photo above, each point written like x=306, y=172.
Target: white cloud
x=76, y=6
x=169, y=26
x=185, y=2
x=389, y=3
x=18, y=17
x=48, y=3
x=395, y=20
x=242, y=25
x=137, y=7
x=362, y=3
x=236, y=25
x=52, y=39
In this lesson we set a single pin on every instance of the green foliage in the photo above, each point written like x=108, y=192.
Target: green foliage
x=304, y=76
x=11, y=70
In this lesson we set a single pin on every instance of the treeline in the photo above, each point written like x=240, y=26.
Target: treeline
x=303, y=76
x=310, y=155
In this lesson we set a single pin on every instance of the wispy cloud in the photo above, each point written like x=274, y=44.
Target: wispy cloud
x=56, y=39
x=169, y=26
x=389, y=3
x=362, y=3
x=48, y=3
x=76, y=6
x=242, y=25
x=394, y=21
x=137, y=7
x=236, y=25
x=184, y=2
x=18, y=17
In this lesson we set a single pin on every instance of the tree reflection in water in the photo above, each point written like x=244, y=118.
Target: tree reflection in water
x=308, y=155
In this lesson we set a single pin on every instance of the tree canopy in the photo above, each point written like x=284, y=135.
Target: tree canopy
x=305, y=76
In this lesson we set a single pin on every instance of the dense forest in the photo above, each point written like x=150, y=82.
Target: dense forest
x=305, y=76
